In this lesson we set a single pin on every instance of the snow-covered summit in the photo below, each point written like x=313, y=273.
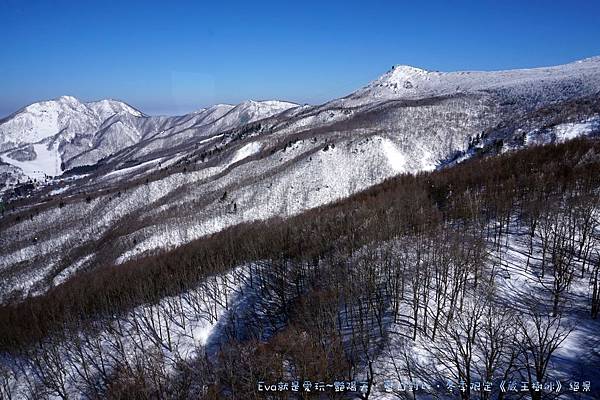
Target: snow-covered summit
x=406, y=82
x=108, y=107
x=56, y=130
x=256, y=110
x=68, y=100
x=250, y=111
x=44, y=119
x=594, y=59
x=399, y=73
x=81, y=133
x=66, y=115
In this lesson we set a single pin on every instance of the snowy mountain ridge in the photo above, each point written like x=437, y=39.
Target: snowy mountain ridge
x=175, y=179
x=67, y=133
x=407, y=82
x=44, y=119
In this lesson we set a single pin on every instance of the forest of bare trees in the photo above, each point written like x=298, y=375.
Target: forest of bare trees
x=342, y=292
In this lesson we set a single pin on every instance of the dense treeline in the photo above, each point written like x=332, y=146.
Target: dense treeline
x=413, y=249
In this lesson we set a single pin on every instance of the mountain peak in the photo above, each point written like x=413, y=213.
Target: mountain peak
x=247, y=103
x=594, y=59
x=408, y=82
x=401, y=74
x=407, y=69
x=67, y=99
x=401, y=78
x=108, y=107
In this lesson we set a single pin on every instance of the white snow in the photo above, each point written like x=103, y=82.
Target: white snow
x=406, y=82
x=246, y=151
x=126, y=170
x=562, y=132
x=304, y=175
x=47, y=162
x=246, y=112
x=569, y=131
x=66, y=273
x=283, y=183
x=107, y=108
x=59, y=190
x=517, y=284
x=395, y=158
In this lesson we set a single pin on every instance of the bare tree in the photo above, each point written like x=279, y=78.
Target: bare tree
x=563, y=263
x=497, y=344
x=455, y=348
x=541, y=335
x=595, y=288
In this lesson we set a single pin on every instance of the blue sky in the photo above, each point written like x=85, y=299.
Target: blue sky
x=174, y=57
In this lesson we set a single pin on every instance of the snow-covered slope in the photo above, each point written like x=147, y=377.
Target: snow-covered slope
x=165, y=181
x=537, y=84
x=47, y=127
x=67, y=133
x=250, y=111
x=107, y=108
x=66, y=116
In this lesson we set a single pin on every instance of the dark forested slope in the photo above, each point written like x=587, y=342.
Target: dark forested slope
x=494, y=253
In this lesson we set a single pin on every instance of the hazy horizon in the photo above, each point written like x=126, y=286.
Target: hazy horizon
x=174, y=59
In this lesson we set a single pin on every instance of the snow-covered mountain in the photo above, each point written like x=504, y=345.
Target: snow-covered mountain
x=34, y=138
x=164, y=181
x=49, y=137
x=65, y=115
x=539, y=85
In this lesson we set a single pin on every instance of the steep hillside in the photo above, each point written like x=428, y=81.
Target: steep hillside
x=190, y=176
x=486, y=272
x=48, y=138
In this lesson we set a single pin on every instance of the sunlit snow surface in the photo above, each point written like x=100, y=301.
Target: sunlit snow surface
x=563, y=132
x=519, y=286
x=270, y=158
x=395, y=157
x=408, y=82
x=300, y=157
x=246, y=151
x=46, y=162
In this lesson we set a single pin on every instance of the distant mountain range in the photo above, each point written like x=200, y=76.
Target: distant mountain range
x=86, y=184
x=49, y=137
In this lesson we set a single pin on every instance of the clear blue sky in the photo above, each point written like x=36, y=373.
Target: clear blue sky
x=174, y=57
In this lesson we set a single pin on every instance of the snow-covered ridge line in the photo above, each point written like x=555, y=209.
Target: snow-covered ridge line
x=195, y=175
x=82, y=133
x=407, y=82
